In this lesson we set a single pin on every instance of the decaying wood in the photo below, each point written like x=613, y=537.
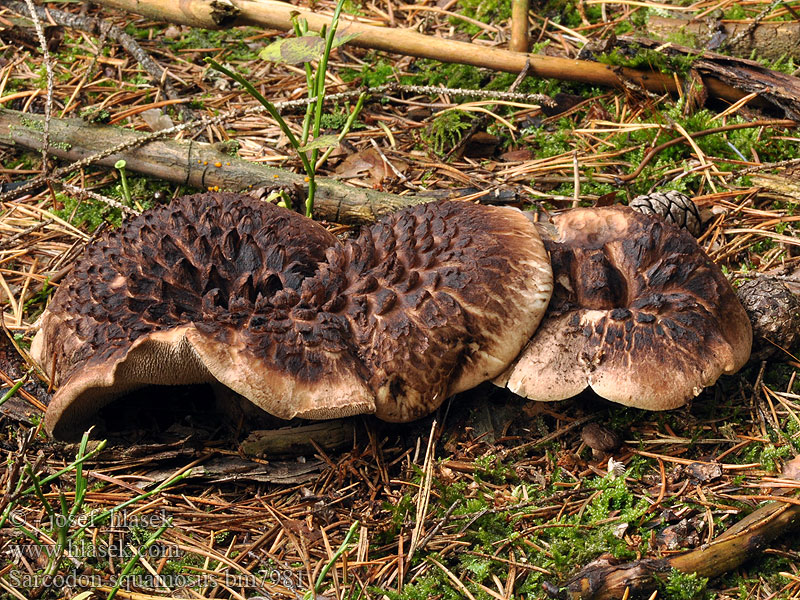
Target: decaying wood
x=196, y=164
x=778, y=183
x=220, y=14
x=294, y=441
x=220, y=469
x=771, y=40
x=779, y=89
x=601, y=580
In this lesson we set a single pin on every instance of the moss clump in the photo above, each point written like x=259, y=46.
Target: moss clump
x=445, y=130
x=377, y=71
x=453, y=75
x=485, y=11
x=684, y=586
x=636, y=57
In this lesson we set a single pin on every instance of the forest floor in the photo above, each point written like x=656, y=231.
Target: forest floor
x=492, y=496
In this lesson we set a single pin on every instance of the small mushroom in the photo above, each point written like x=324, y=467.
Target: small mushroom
x=600, y=439
x=639, y=313
x=224, y=289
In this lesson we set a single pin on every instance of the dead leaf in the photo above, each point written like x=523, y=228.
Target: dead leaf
x=517, y=155
x=369, y=163
x=704, y=471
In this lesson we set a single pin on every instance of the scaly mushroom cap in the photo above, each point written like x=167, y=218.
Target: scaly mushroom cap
x=639, y=313
x=223, y=288
x=441, y=298
x=171, y=297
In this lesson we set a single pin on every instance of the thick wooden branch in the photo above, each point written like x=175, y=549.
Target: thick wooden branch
x=602, y=580
x=772, y=39
x=221, y=14
x=196, y=164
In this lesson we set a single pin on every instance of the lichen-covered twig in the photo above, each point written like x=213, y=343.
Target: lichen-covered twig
x=101, y=28
x=48, y=65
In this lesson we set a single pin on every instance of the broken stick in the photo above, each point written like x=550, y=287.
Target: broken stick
x=196, y=164
x=602, y=580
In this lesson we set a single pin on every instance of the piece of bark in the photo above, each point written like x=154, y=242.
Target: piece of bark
x=233, y=468
x=196, y=164
x=770, y=40
x=222, y=14
x=778, y=183
x=779, y=89
x=292, y=441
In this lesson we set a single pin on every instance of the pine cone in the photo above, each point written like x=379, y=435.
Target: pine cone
x=672, y=206
x=774, y=312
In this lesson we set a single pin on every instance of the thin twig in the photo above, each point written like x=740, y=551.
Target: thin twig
x=48, y=65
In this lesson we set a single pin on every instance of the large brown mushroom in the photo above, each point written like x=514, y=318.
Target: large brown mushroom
x=221, y=288
x=639, y=313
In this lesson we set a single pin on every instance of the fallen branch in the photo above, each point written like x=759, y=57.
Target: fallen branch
x=195, y=164
x=772, y=40
x=601, y=580
x=778, y=89
x=223, y=14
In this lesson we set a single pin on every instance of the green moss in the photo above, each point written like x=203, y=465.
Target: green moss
x=636, y=57
x=232, y=41
x=87, y=213
x=434, y=584
x=565, y=12
x=431, y=72
x=377, y=71
x=336, y=119
x=485, y=11
x=489, y=468
x=94, y=115
x=736, y=12
x=684, y=586
x=31, y=123
x=445, y=130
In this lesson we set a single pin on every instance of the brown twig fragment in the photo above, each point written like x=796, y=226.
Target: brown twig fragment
x=519, y=26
